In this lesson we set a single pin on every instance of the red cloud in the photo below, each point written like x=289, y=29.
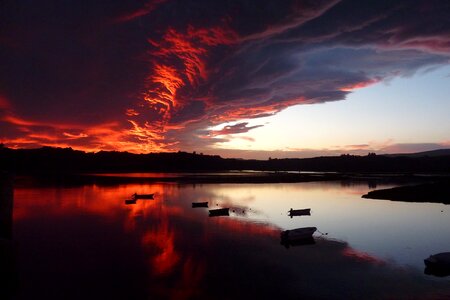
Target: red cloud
x=179, y=61
x=75, y=136
x=239, y=61
x=4, y=103
x=140, y=12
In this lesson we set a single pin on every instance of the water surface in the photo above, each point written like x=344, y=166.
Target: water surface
x=85, y=242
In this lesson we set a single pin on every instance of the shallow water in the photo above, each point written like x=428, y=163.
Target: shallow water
x=85, y=242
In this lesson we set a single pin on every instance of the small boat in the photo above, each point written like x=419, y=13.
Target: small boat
x=130, y=201
x=136, y=196
x=199, y=204
x=299, y=212
x=438, y=264
x=298, y=234
x=219, y=212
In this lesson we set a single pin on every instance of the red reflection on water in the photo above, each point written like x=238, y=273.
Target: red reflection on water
x=162, y=238
x=155, y=224
x=180, y=252
x=234, y=225
x=362, y=256
x=105, y=201
x=159, y=241
x=192, y=276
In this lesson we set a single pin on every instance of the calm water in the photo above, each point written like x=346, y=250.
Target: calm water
x=83, y=242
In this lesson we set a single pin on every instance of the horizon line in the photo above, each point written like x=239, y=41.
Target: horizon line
x=332, y=153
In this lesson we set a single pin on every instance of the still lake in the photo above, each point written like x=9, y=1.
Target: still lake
x=84, y=242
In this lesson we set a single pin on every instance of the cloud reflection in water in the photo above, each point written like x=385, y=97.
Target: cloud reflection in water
x=85, y=242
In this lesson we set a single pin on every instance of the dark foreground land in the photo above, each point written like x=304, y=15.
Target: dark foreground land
x=68, y=166
x=437, y=192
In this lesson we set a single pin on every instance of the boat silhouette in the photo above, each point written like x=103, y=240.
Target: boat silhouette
x=219, y=212
x=299, y=212
x=438, y=264
x=136, y=196
x=298, y=236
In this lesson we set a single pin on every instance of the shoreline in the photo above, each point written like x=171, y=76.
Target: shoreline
x=258, y=177
x=431, y=192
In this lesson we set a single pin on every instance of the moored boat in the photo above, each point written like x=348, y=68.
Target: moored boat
x=199, y=204
x=438, y=264
x=130, y=201
x=299, y=212
x=297, y=234
x=136, y=196
x=299, y=242
x=219, y=212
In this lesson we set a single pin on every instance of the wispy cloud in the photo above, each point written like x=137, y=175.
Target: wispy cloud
x=233, y=129
x=142, y=11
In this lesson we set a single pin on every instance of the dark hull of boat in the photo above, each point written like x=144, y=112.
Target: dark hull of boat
x=300, y=212
x=297, y=235
x=219, y=212
x=438, y=264
x=199, y=204
x=299, y=242
x=131, y=201
x=149, y=196
x=437, y=271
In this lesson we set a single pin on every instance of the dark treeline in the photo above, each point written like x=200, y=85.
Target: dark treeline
x=50, y=160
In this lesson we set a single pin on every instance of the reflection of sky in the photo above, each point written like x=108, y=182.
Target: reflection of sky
x=403, y=232
x=163, y=247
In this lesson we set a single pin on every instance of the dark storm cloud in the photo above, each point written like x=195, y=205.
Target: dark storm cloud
x=62, y=64
x=154, y=75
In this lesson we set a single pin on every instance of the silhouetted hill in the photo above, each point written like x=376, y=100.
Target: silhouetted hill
x=59, y=160
x=432, y=153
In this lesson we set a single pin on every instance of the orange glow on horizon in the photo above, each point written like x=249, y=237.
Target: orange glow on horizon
x=101, y=137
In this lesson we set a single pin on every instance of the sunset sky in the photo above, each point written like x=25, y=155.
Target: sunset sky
x=248, y=78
